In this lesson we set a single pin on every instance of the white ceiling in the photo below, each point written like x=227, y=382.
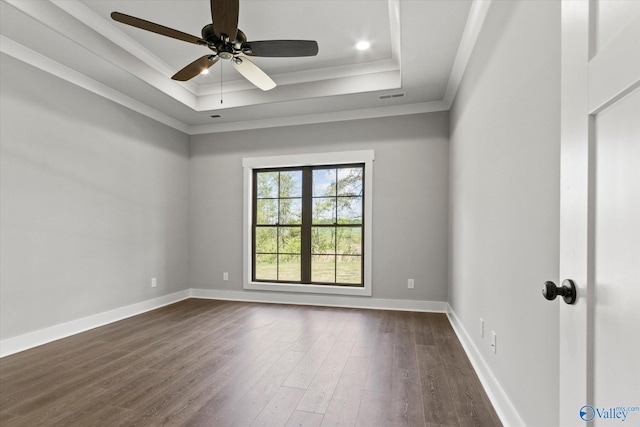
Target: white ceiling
x=419, y=48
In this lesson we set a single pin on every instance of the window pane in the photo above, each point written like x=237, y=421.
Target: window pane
x=267, y=184
x=348, y=269
x=323, y=268
x=323, y=240
x=324, y=210
x=324, y=182
x=333, y=233
x=289, y=240
x=289, y=267
x=266, y=267
x=350, y=182
x=291, y=184
x=290, y=211
x=349, y=241
x=267, y=211
x=266, y=239
x=349, y=210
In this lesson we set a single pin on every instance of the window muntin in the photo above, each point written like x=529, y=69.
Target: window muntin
x=308, y=225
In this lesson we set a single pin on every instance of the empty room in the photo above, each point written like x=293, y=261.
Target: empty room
x=315, y=213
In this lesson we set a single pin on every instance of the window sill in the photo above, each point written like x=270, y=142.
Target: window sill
x=314, y=289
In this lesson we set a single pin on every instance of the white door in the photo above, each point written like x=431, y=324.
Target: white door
x=600, y=213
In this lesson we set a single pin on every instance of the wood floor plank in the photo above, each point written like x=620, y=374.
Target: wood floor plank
x=436, y=395
x=366, y=339
x=217, y=394
x=423, y=331
x=319, y=392
x=406, y=404
x=54, y=409
x=345, y=403
x=374, y=409
x=214, y=385
x=279, y=409
x=250, y=404
x=380, y=376
x=223, y=363
x=315, y=324
x=303, y=374
x=43, y=392
x=405, y=343
x=304, y=419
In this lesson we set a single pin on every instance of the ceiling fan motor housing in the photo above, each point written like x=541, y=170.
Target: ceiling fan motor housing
x=225, y=49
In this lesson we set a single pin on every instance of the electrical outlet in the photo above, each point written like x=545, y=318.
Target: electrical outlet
x=410, y=283
x=481, y=327
x=225, y=276
x=493, y=342
x=154, y=282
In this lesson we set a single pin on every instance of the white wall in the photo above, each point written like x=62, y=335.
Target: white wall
x=410, y=198
x=505, y=185
x=93, y=200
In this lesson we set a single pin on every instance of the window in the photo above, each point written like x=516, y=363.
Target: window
x=308, y=223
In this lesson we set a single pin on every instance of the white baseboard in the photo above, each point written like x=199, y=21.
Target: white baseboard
x=42, y=336
x=501, y=402
x=321, y=300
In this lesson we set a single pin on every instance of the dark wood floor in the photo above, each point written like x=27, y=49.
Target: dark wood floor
x=218, y=363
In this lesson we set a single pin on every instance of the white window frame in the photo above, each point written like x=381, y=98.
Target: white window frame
x=318, y=159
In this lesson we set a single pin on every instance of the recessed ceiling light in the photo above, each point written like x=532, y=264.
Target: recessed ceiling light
x=363, y=45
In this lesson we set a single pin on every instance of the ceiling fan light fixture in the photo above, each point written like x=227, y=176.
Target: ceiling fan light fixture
x=363, y=45
x=225, y=55
x=205, y=71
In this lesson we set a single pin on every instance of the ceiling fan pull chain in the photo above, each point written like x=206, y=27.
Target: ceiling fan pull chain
x=221, y=67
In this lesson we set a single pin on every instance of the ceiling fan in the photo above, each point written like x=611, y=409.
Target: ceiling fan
x=228, y=42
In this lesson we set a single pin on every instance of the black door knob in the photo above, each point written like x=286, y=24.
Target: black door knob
x=567, y=291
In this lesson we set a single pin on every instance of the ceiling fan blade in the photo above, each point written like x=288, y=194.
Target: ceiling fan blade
x=225, y=17
x=282, y=48
x=195, y=68
x=255, y=75
x=157, y=28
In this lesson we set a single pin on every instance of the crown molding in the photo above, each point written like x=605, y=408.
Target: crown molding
x=334, y=116
x=474, y=24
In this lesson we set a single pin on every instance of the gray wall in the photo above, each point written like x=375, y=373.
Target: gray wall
x=505, y=139
x=93, y=203
x=410, y=198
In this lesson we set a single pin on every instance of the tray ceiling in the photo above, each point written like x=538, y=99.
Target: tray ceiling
x=418, y=52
